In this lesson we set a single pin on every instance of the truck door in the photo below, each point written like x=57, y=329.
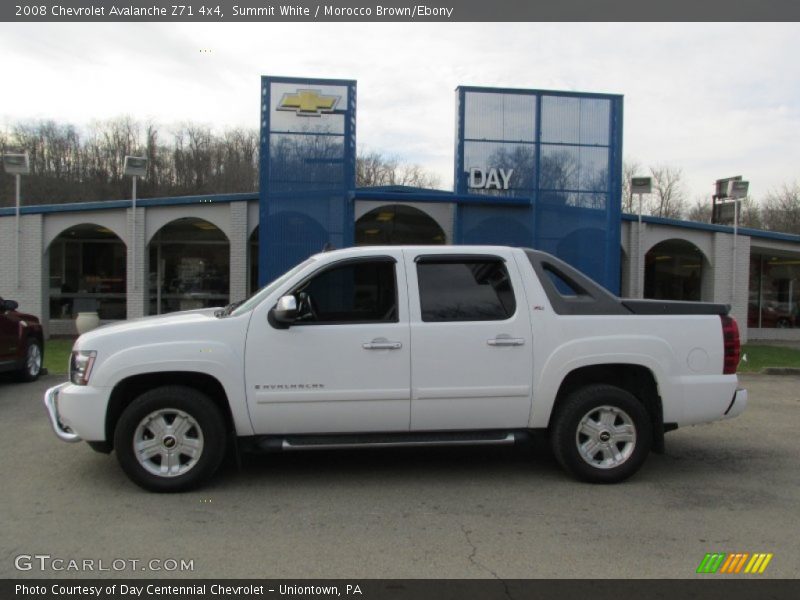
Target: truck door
x=471, y=359
x=344, y=364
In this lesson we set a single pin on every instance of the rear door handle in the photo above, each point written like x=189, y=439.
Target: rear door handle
x=381, y=344
x=506, y=341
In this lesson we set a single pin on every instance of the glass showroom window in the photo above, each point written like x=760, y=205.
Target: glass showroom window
x=87, y=273
x=774, y=291
x=395, y=224
x=189, y=267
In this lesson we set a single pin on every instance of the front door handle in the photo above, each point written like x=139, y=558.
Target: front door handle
x=381, y=344
x=506, y=341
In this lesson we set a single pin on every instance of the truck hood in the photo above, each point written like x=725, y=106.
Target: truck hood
x=155, y=329
x=192, y=340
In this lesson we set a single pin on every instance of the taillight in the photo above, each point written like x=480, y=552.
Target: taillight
x=730, y=338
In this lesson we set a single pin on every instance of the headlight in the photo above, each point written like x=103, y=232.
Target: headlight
x=80, y=366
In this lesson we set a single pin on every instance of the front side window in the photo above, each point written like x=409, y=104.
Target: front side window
x=355, y=292
x=464, y=290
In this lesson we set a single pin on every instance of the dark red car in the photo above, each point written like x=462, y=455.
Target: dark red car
x=21, y=342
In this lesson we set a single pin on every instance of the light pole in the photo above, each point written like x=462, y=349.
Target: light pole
x=17, y=165
x=135, y=166
x=640, y=186
x=736, y=190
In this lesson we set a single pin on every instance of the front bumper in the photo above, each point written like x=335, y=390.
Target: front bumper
x=738, y=404
x=64, y=433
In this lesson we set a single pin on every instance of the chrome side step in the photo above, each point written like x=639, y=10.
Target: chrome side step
x=403, y=440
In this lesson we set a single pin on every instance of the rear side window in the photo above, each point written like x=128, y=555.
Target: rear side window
x=563, y=286
x=569, y=291
x=464, y=290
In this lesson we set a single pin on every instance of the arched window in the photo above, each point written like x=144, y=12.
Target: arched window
x=396, y=224
x=673, y=270
x=189, y=266
x=87, y=273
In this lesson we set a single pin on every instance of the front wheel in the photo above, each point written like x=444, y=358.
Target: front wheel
x=32, y=367
x=601, y=434
x=170, y=439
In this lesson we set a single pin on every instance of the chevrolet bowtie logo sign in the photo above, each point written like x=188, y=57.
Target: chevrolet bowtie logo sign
x=308, y=103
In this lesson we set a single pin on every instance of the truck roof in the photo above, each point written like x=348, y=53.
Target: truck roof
x=438, y=249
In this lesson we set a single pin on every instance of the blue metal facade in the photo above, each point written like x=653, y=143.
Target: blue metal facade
x=565, y=149
x=307, y=174
x=562, y=152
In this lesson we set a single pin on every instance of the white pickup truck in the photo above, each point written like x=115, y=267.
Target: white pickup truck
x=403, y=346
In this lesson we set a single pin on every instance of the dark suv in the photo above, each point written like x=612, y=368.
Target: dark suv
x=21, y=342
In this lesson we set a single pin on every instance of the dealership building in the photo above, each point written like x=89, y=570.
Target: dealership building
x=532, y=168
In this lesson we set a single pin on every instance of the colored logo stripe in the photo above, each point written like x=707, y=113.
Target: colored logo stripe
x=734, y=563
x=721, y=562
x=758, y=563
x=711, y=562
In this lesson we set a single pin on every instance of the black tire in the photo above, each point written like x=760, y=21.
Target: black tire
x=613, y=460
x=205, y=423
x=31, y=369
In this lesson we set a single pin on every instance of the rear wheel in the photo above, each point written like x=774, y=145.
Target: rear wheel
x=32, y=367
x=601, y=434
x=170, y=439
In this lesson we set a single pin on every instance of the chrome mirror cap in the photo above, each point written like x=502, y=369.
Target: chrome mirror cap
x=284, y=313
x=286, y=304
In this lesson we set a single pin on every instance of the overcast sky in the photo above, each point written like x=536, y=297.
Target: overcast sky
x=714, y=99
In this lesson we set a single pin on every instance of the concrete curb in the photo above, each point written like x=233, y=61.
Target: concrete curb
x=780, y=371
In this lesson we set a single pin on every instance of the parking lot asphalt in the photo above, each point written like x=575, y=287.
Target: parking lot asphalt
x=732, y=486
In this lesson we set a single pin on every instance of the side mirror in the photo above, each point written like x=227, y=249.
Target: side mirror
x=285, y=312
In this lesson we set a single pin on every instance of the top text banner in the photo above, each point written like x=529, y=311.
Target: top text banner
x=397, y=10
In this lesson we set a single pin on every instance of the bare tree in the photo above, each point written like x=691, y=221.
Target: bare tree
x=701, y=210
x=669, y=197
x=750, y=214
x=781, y=209
x=416, y=176
x=374, y=169
x=71, y=164
x=238, y=159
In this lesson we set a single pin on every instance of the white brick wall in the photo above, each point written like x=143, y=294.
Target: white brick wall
x=8, y=285
x=632, y=285
x=238, y=245
x=136, y=268
x=717, y=249
x=29, y=290
x=237, y=219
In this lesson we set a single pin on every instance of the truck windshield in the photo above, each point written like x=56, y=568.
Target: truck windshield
x=265, y=291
